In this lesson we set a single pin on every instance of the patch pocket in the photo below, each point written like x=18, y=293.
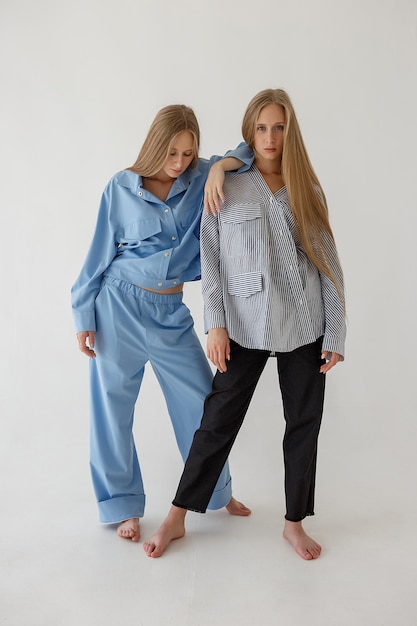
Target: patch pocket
x=245, y=285
x=141, y=232
x=241, y=229
x=242, y=212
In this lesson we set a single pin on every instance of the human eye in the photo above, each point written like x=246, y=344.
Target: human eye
x=260, y=127
x=279, y=127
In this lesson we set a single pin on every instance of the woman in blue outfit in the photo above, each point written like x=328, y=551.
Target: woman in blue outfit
x=272, y=282
x=128, y=309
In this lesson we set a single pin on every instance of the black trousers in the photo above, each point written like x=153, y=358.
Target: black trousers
x=302, y=389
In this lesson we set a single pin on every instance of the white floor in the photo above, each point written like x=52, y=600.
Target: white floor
x=59, y=567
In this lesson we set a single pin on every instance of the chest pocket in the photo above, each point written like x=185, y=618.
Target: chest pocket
x=241, y=228
x=141, y=233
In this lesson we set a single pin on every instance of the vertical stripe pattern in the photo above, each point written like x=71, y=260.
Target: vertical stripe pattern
x=257, y=280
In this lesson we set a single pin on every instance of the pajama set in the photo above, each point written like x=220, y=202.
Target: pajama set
x=259, y=284
x=142, y=240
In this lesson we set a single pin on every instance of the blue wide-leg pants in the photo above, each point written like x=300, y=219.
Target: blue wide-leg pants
x=135, y=326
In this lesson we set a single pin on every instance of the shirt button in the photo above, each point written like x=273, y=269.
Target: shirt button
x=175, y=282
x=159, y=284
x=166, y=254
x=166, y=210
x=139, y=193
x=173, y=238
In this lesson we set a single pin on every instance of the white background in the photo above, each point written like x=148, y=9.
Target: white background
x=80, y=84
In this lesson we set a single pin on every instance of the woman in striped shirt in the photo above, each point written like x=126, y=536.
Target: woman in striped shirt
x=272, y=284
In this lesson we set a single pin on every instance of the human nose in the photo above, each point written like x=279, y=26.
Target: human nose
x=179, y=159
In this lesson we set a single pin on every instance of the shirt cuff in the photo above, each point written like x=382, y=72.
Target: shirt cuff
x=214, y=320
x=84, y=320
x=334, y=344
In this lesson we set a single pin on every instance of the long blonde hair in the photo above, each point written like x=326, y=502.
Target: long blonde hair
x=167, y=125
x=307, y=199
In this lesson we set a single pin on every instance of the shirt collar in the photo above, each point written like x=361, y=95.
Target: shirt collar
x=130, y=180
x=133, y=181
x=186, y=178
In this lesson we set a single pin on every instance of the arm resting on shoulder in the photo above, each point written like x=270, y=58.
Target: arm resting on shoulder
x=240, y=160
x=213, y=190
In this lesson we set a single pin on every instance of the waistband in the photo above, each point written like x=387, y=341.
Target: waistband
x=142, y=294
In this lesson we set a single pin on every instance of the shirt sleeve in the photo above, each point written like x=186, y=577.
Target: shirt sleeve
x=214, y=315
x=102, y=251
x=333, y=301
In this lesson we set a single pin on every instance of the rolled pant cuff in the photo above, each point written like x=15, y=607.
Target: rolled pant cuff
x=121, y=508
x=221, y=497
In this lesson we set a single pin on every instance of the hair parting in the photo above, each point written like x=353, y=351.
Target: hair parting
x=169, y=122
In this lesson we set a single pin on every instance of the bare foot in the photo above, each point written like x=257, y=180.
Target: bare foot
x=129, y=529
x=171, y=528
x=237, y=508
x=304, y=545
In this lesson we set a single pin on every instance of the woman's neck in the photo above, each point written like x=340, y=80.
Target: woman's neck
x=268, y=167
x=271, y=173
x=159, y=186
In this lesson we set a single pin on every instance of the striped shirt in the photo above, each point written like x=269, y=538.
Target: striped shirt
x=258, y=282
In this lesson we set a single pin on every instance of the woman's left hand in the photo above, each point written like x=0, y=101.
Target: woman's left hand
x=331, y=361
x=213, y=191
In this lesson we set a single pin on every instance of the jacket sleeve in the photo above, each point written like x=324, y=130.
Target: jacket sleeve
x=241, y=152
x=102, y=251
x=214, y=315
x=244, y=154
x=334, y=303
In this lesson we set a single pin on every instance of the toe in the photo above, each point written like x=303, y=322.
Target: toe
x=156, y=553
x=148, y=547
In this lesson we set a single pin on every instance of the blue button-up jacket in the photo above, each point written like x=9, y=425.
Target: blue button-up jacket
x=144, y=240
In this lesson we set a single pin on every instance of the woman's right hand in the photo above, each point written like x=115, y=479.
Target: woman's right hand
x=218, y=348
x=213, y=190
x=86, y=342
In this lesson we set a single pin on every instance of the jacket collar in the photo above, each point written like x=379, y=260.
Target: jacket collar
x=133, y=182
